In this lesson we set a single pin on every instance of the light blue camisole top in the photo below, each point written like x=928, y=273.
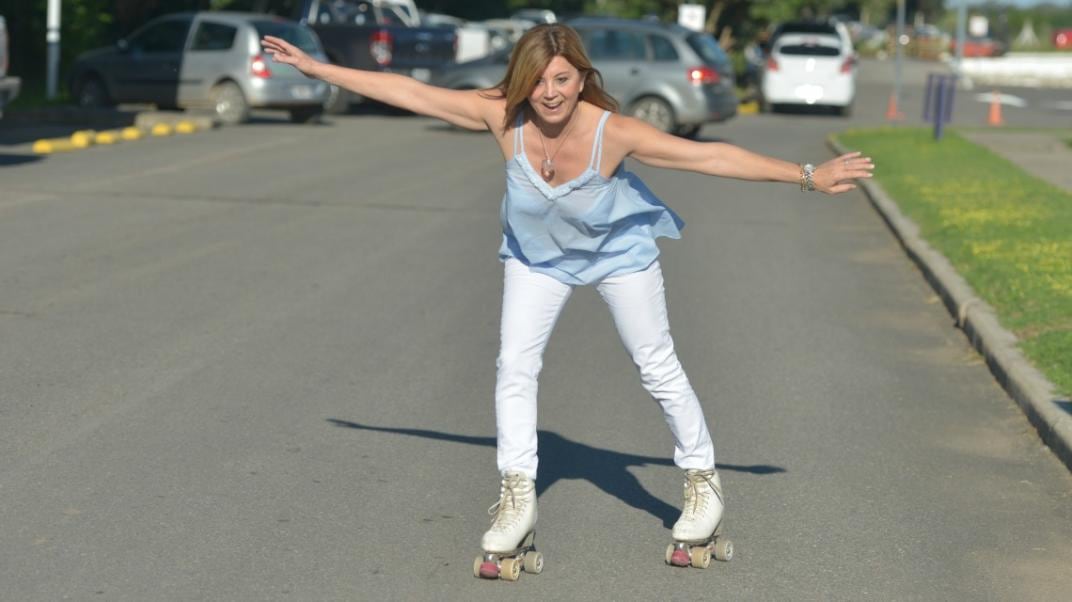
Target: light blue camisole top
x=584, y=230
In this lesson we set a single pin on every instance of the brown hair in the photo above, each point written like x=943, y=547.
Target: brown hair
x=531, y=56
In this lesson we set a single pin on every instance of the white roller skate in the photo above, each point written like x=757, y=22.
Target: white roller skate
x=698, y=533
x=510, y=544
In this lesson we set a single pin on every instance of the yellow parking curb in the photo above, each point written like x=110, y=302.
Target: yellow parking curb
x=748, y=108
x=87, y=138
x=53, y=145
x=106, y=138
x=185, y=127
x=83, y=138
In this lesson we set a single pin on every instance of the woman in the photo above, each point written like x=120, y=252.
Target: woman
x=573, y=216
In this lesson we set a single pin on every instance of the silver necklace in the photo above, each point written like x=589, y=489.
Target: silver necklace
x=547, y=168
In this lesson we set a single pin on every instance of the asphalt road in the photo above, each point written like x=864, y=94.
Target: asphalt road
x=257, y=364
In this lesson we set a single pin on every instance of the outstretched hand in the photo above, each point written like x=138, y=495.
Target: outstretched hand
x=836, y=175
x=283, y=51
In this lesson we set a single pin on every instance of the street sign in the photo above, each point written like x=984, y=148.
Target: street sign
x=692, y=16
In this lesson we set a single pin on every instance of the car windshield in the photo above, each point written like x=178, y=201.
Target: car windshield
x=708, y=49
x=295, y=34
x=808, y=45
x=807, y=50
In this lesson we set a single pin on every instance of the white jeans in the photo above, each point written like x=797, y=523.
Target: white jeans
x=532, y=303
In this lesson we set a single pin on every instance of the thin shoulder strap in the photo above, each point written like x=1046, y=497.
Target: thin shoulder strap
x=597, y=144
x=519, y=134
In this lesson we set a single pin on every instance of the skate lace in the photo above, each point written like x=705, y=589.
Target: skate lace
x=694, y=492
x=506, y=510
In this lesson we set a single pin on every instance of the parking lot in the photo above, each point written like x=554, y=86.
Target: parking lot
x=257, y=363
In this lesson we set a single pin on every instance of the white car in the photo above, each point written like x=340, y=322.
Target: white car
x=810, y=69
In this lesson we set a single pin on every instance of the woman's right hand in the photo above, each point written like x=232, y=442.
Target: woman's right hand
x=283, y=51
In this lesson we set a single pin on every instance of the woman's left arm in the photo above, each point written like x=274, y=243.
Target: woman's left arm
x=658, y=149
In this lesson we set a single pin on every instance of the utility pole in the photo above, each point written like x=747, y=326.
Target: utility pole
x=893, y=109
x=52, y=38
x=962, y=21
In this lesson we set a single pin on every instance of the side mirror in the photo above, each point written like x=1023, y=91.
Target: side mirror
x=123, y=46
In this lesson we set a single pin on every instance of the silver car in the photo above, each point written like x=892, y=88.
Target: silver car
x=674, y=78
x=203, y=60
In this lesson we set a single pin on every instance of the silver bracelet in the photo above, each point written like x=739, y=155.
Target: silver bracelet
x=807, y=170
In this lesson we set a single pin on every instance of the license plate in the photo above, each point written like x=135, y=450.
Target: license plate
x=422, y=75
x=301, y=92
x=809, y=93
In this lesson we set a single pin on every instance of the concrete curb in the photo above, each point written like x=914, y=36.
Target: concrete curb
x=1032, y=391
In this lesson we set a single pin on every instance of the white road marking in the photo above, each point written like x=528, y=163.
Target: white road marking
x=1005, y=99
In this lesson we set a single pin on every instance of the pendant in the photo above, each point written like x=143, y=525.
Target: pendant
x=547, y=170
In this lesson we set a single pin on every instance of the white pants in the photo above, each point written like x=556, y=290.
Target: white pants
x=532, y=303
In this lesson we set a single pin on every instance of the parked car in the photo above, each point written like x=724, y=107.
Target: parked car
x=673, y=78
x=375, y=35
x=203, y=60
x=809, y=69
x=9, y=86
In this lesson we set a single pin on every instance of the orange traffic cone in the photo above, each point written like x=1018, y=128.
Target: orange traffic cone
x=892, y=114
x=994, y=118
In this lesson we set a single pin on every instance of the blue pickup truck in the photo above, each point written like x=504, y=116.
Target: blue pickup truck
x=376, y=35
x=9, y=86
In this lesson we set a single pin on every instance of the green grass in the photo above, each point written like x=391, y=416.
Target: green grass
x=1008, y=233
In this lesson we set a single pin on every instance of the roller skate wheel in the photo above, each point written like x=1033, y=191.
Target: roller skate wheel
x=511, y=569
x=486, y=569
x=723, y=550
x=700, y=557
x=476, y=565
x=533, y=562
x=679, y=557
x=670, y=553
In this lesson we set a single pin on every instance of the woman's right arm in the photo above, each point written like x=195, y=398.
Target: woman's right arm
x=468, y=109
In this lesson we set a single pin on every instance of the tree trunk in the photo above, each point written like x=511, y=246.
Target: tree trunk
x=713, y=13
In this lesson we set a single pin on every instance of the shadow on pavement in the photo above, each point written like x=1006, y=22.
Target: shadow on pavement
x=7, y=160
x=561, y=458
x=26, y=126
x=824, y=110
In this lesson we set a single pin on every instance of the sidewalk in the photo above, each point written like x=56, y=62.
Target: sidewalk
x=1042, y=154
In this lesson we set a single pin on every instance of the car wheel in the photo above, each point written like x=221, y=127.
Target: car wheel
x=337, y=102
x=306, y=114
x=229, y=103
x=90, y=93
x=655, y=111
x=845, y=111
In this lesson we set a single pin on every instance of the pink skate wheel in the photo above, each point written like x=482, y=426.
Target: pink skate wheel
x=679, y=558
x=489, y=570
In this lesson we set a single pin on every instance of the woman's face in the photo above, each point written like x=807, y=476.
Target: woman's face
x=558, y=91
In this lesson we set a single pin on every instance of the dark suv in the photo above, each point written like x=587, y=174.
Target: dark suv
x=674, y=78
